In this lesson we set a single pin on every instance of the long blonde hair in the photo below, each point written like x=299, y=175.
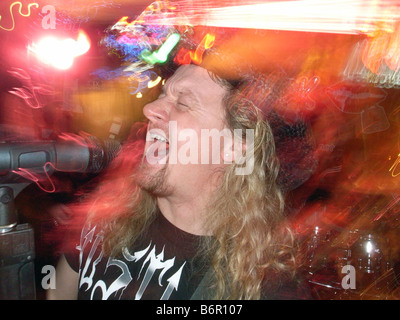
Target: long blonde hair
x=247, y=213
x=248, y=222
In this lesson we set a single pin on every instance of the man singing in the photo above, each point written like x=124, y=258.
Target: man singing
x=185, y=222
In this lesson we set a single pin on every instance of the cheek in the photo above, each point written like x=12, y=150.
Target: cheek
x=197, y=138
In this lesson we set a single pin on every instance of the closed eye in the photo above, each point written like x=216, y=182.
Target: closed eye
x=182, y=105
x=183, y=101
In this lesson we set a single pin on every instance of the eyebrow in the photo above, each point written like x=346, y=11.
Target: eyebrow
x=184, y=91
x=192, y=95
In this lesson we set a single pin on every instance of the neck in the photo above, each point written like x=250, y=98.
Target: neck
x=188, y=207
x=186, y=213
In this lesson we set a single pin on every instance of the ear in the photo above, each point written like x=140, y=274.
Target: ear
x=234, y=146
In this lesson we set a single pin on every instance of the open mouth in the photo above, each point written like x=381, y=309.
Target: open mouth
x=158, y=147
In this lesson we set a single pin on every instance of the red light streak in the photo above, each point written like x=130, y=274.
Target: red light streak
x=34, y=178
x=30, y=92
x=389, y=206
x=185, y=56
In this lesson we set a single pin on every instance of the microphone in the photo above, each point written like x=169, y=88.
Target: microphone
x=71, y=153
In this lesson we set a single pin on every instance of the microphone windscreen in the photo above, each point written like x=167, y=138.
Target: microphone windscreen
x=101, y=153
x=112, y=148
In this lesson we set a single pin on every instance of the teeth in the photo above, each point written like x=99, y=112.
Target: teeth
x=155, y=136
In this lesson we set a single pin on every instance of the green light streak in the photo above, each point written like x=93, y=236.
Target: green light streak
x=161, y=55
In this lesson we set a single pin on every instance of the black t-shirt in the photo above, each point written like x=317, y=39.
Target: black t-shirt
x=161, y=265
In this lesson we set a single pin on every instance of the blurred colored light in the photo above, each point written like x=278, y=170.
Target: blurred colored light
x=60, y=53
x=152, y=84
x=328, y=16
x=369, y=247
x=161, y=55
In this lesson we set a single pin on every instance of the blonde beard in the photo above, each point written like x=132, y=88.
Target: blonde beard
x=153, y=183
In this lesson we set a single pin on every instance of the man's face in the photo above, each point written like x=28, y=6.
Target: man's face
x=177, y=161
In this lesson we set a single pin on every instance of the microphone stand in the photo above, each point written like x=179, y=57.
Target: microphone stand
x=17, y=249
x=17, y=252
x=17, y=246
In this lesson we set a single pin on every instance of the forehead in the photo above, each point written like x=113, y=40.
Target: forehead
x=196, y=80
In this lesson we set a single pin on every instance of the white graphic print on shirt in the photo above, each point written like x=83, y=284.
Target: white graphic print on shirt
x=151, y=263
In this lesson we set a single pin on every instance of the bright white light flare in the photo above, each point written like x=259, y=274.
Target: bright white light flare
x=60, y=53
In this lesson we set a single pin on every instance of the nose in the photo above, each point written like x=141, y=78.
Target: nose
x=156, y=111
